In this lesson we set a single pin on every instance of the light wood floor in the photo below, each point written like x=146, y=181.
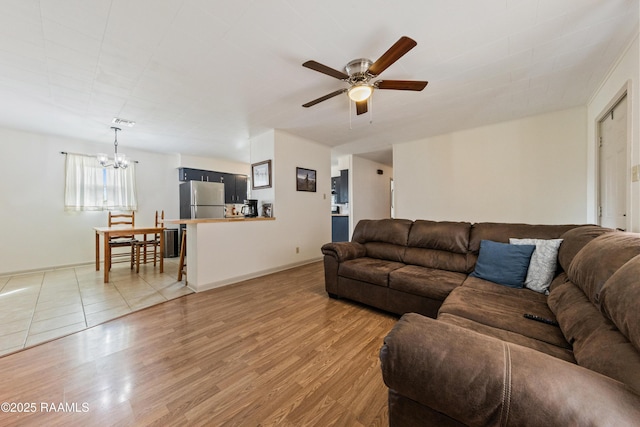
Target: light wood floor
x=272, y=351
x=40, y=306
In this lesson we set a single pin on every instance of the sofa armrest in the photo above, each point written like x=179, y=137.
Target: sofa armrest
x=480, y=380
x=343, y=251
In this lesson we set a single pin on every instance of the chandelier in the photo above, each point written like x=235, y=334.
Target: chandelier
x=120, y=161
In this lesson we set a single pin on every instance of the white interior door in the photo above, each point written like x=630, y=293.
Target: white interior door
x=613, y=167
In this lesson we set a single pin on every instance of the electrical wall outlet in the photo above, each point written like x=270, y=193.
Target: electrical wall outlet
x=635, y=173
x=297, y=250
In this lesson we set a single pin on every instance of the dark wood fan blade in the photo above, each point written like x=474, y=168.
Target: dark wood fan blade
x=401, y=84
x=323, y=98
x=361, y=107
x=395, y=52
x=316, y=66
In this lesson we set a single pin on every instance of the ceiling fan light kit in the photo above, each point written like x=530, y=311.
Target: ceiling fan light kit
x=360, y=75
x=360, y=92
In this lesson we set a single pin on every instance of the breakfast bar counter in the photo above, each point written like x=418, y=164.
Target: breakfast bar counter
x=212, y=220
x=221, y=251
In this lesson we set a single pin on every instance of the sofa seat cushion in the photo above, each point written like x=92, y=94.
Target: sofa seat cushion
x=426, y=282
x=371, y=270
x=504, y=291
x=503, y=308
x=550, y=349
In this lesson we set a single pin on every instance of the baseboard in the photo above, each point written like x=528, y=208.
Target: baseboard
x=242, y=278
x=52, y=268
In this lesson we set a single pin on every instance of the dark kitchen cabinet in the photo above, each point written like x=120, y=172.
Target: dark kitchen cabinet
x=235, y=185
x=339, y=228
x=335, y=186
x=340, y=187
x=189, y=174
x=235, y=188
x=344, y=186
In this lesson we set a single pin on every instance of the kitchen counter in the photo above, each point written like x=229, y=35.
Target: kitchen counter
x=340, y=215
x=211, y=220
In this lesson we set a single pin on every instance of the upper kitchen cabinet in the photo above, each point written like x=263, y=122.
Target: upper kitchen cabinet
x=235, y=188
x=340, y=187
x=189, y=174
x=335, y=187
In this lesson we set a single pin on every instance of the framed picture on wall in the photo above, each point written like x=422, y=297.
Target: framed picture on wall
x=305, y=179
x=261, y=175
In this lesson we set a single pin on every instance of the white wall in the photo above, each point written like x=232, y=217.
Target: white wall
x=36, y=231
x=213, y=164
x=624, y=75
x=531, y=170
x=263, y=148
x=240, y=250
x=306, y=214
x=370, y=193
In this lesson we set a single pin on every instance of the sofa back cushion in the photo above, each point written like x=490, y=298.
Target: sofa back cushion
x=438, y=244
x=597, y=306
x=383, y=238
x=502, y=232
x=575, y=239
x=620, y=300
x=597, y=343
x=599, y=259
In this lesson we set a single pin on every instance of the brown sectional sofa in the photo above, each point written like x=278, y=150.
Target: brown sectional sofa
x=475, y=360
x=404, y=266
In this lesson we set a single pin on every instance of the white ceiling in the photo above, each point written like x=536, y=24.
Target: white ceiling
x=201, y=77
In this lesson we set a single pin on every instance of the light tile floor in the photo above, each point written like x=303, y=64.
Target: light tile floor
x=38, y=307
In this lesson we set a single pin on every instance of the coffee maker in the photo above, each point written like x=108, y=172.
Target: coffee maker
x=250, y=208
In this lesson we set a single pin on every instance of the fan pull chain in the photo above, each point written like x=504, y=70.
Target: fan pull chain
x=370, y=110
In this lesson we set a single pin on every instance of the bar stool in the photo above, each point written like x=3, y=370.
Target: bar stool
x=182, y=271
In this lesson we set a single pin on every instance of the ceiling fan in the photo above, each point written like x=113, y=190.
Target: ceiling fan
x=360, y=75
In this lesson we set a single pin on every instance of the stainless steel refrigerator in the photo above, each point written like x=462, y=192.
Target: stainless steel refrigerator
x=199, y=199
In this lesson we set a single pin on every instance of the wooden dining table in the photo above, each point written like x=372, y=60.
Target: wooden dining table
x=109, y=232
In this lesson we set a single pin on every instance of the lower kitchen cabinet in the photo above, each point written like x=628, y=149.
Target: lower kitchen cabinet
x=339, y=228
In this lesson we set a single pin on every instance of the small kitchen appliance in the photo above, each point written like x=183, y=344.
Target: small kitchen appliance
x=250, y=208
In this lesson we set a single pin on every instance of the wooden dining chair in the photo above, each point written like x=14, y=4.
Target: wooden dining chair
x=148, y=249
x=122, y=219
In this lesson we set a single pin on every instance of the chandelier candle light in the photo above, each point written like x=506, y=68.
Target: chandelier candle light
x=120, y=161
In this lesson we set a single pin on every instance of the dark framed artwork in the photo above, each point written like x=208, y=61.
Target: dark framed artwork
x=305, y=179
x=261, y=175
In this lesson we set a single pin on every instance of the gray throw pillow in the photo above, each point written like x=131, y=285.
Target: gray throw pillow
x=543, y=263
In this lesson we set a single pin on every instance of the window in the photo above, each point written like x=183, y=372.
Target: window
x=90, y=187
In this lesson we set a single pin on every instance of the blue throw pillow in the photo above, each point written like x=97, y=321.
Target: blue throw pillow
x=503, y=263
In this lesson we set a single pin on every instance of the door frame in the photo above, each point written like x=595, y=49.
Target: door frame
x=624, y=91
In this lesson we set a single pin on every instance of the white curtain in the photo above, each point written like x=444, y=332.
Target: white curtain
x=120, y=187
x=89, y=186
